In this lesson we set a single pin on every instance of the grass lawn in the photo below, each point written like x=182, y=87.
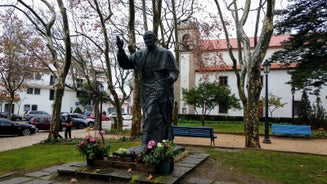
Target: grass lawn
x=236, y=127
x=221, y=126
x=43, y=155
x=276, y=166
x=283, y=167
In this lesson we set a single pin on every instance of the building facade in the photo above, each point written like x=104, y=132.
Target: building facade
x=208, y=60
x=39, y=95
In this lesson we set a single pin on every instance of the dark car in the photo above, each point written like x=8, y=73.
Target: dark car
x=30, y=114
x=14, y=117
x=43, y=122
x=78, y=120
x=8, y=127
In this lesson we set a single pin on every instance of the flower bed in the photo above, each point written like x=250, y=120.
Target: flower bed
x=93, y=147
x=154, y=157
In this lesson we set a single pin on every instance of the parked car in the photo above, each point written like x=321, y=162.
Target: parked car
x=14, y=117
x=30, y=114
x=43, y=122
x=104, y=117
x=87, y=113
x=124, y=115
x=7, y=127
x=79, y=121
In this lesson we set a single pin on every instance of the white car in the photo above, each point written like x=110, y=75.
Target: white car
x=124, y=115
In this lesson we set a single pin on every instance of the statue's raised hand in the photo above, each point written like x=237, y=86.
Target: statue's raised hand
x=120, y=43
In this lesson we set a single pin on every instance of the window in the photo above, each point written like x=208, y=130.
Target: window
x=30, y=91
x=27, y=107
x=37, y=76
x=79, y=83
x=37, y=91
x=223, y=80
x=111, y=110
x=297, y=105
x=186, y=41
x=184, y=110
x=42, y=120
x=79, y=94
x=52, y=79
x=34, y=107
x=223, y=109
x=51, y=94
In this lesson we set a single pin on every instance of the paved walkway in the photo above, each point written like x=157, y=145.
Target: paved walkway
x=287, y=144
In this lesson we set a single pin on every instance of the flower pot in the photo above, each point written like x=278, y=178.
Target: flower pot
x=164, y=167
x=89, y=161
x=99, y=156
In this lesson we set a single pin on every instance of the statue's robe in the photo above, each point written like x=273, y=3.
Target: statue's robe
x=159, y=72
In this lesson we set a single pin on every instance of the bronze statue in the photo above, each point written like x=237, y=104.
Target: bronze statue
x=159, y=72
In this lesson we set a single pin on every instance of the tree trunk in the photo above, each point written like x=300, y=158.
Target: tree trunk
x=137, y=115
x=202, y=119
x=56, y=121
x=97, y=116
x=175, y=113
x=136, y=109
x=60, y=86
x=251, y=117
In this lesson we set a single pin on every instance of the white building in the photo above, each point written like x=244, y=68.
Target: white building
x=217, y=67
x=40, y=96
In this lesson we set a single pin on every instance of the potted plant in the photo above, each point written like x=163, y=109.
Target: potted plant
x=159, y=154
x=93, y=147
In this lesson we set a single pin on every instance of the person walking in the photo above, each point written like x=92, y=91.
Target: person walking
x=69, y=124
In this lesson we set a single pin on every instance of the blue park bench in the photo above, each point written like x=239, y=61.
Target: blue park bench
x=290, y=130
x=195, y=131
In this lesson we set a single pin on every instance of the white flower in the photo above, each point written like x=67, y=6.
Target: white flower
x=159, y=145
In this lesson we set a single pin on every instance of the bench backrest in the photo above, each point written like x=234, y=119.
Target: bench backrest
x=291, y=129
x=193, y=131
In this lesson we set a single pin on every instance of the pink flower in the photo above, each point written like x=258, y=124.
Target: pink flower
x=93, y=139
x=151, y=144
x=81, y=143
x=101, y=133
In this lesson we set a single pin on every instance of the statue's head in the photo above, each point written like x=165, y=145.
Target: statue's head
x=149, y=39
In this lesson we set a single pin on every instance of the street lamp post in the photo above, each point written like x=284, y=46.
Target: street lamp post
x=101, y=90
x=266, y=69
x=293, y=92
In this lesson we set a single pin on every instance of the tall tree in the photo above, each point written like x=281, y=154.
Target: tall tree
x=94, y=23
x=137, y=115
x=17, y=45
x=305, y=21
x=247, y=62
x=56, y=37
